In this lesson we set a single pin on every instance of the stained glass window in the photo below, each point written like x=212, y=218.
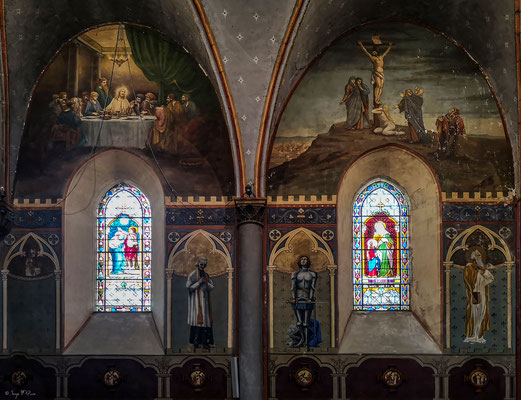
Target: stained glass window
x=381, y=248
x=124, y=250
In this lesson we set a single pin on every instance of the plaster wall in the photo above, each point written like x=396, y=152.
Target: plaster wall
x=86, y=190
x=417, y=180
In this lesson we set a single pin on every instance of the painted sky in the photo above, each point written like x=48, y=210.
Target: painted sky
x=419, y=57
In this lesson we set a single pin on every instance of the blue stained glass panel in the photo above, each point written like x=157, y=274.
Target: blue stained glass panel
x=124, y=250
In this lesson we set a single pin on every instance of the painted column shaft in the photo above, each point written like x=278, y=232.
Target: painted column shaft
x=250, y=311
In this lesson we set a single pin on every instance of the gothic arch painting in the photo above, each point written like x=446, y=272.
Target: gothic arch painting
x=125, y=86
x=391, y=83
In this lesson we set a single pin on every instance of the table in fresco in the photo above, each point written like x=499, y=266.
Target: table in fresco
x=129, y=132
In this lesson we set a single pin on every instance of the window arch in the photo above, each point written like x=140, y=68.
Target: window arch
x=381, y=248
x=124, y=250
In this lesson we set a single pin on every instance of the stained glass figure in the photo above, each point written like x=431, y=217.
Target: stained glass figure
x=381, y=248
x=124, y=250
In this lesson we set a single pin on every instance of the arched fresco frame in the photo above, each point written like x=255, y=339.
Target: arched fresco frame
x=44, y=250
x=222, y=90
x=217, y=249
x=284, y=247
x=270, y=131
x=460, y=243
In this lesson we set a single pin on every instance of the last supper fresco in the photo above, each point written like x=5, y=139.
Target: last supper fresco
x=125, y=86
x=391, y=84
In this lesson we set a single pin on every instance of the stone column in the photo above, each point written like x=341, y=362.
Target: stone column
x=250, y=223
x=332, y=269
x=62, y=386
x=58, y=280
x=5, y=272
x=169, y=273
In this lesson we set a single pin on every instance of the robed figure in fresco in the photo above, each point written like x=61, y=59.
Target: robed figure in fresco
x=478, y=277
x=200, y=318
x=380, y=249
x=477, y=280
x=411, y=106
x=356, y=94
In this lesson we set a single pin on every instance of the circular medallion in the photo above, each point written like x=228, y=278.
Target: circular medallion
x=392, y=378
x=505, y=232
x=451, y=233
x=112, y=378
x=197, y=378
x=9, y=240
x=304, y=377
x=53, y=239
x=478, y=378
x=328, y=235
x=275, y=235
x=225, y=236
x=18, y=378
x=173, y=237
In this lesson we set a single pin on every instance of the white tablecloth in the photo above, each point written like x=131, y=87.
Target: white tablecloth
x=117, y=132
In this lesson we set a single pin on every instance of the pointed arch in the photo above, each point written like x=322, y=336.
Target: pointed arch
x=290, y=246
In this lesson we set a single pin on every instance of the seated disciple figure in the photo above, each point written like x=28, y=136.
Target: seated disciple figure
x=190, y=107
x=93, y=106
x=136, y=104
x=84, y=100
x=148, y=105
x=120, y=104
x=67, y=127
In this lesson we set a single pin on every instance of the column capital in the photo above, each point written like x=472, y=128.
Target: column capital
x=5, y=272
x=169, y=272
x=250, y=210
x=57, y=274
x=332, y=269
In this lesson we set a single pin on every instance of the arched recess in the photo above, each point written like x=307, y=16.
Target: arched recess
x=86, y=189
x=418, y=181
x=181, y=262
x=283, y=259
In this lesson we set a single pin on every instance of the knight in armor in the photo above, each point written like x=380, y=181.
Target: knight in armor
x=303, y=284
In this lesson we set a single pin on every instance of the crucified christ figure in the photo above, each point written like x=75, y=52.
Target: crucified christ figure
x=378, y=70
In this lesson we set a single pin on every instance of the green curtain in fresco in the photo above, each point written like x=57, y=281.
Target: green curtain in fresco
x=167, y=64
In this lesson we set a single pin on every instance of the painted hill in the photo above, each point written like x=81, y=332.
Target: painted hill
x=481, y=163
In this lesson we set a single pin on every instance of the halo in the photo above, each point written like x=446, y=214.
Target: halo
x=118, y=90
x=471, y=250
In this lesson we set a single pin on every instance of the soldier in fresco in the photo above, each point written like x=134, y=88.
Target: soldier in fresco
x=450, y=129
x=200, y=318
x=303, y=286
